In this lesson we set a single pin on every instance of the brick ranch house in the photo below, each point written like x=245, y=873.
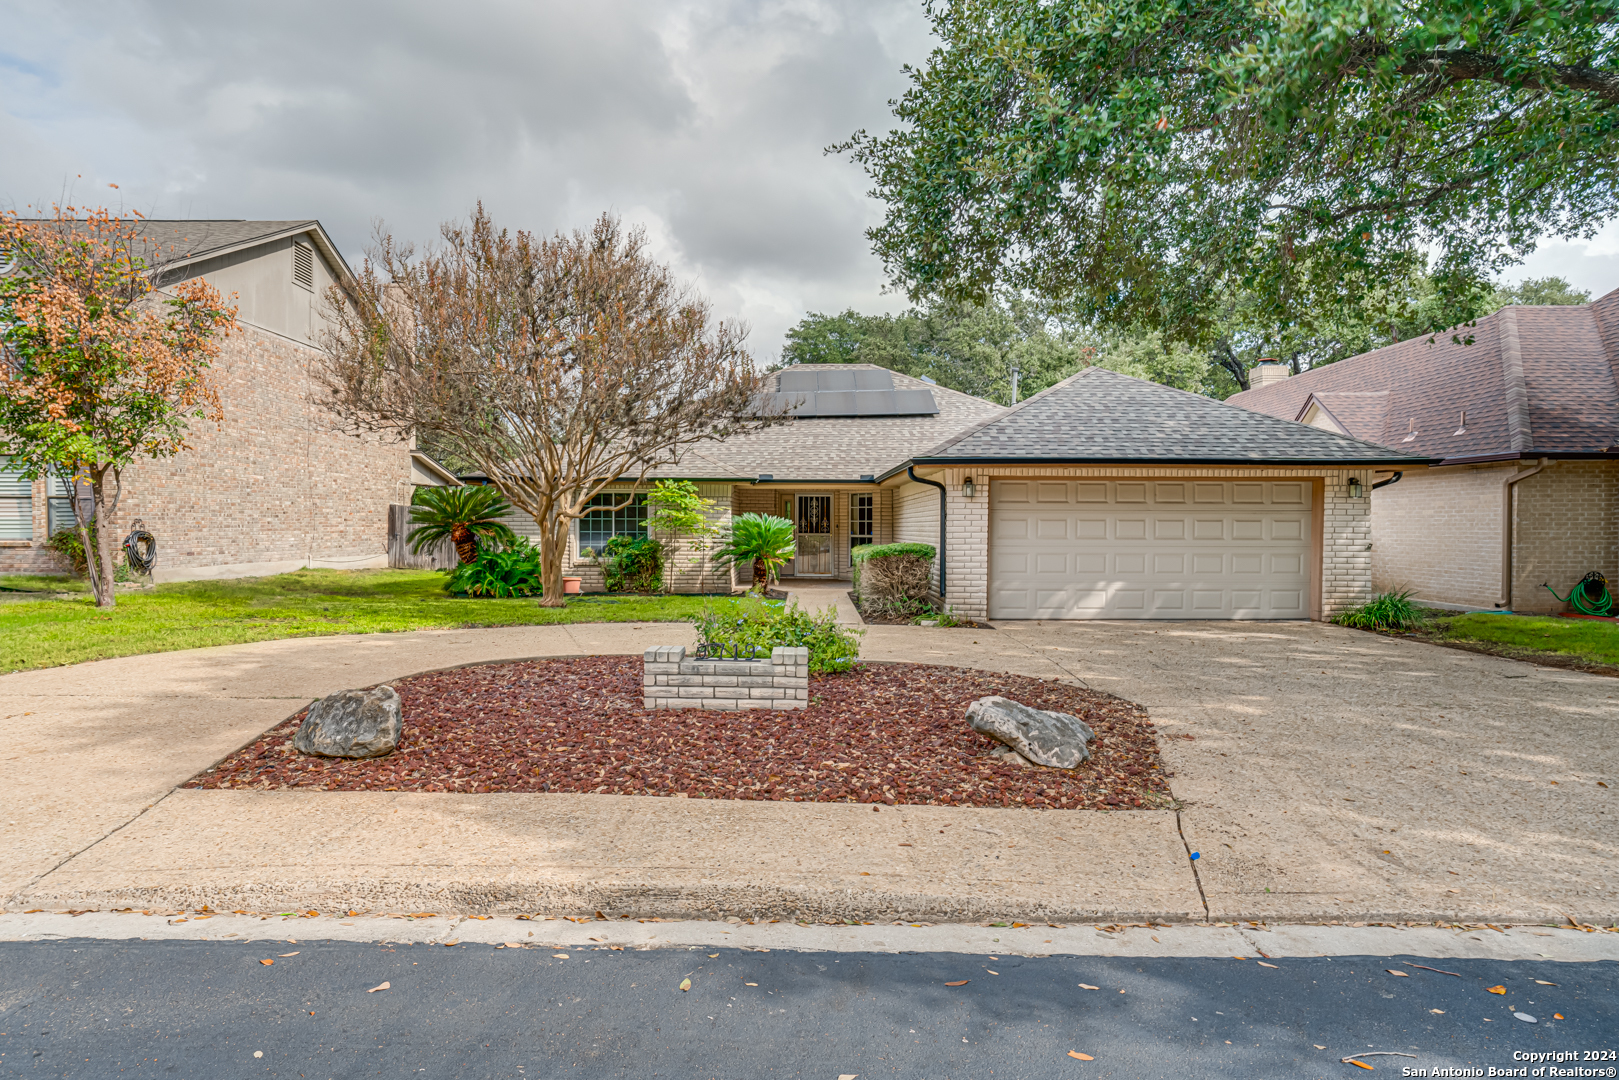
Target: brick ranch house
x=1523, y=427
x=1103, y=497
x=276, y=486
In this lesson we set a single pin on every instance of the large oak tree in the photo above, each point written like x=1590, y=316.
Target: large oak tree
x=1138, y=160
x=556, y=365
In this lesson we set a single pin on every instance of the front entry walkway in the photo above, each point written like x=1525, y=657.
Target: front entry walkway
x=1327, y=775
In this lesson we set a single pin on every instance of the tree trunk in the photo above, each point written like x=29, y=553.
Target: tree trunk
x=553, y=546
x=761, y=576
x=104, y=582
x=466, y=545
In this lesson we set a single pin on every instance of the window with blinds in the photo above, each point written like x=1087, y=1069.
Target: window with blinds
x=59, y=506
x=303, y=265
x=599, y=526
x=16, y=504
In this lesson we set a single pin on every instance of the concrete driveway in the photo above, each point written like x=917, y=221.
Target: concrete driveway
x=1330, y=775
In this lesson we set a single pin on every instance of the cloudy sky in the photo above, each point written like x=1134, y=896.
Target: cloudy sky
x=702, y=120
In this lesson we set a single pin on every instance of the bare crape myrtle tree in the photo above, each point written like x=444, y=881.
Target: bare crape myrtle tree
x=557, y=365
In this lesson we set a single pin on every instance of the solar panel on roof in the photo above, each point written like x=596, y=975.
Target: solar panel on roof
x=806, y=392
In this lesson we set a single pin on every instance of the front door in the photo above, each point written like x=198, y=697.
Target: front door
x=814, y=536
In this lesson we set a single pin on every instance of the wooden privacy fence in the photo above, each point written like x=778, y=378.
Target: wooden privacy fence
x=440, y=556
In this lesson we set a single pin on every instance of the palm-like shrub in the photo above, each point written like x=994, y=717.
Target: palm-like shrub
x=762, y=541
x=514, y=570
x=468, y=516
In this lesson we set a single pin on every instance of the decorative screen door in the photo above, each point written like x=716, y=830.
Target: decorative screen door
x=814, y=536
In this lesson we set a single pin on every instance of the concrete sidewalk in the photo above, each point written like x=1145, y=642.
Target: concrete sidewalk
x=1331, y=775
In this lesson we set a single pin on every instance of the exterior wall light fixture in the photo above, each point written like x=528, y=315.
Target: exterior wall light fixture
x=1354, y=487
x=967, y=488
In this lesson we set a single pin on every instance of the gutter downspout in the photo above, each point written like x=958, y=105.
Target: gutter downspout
x=910, y=470
x=1395, y=479
x=1507, y=485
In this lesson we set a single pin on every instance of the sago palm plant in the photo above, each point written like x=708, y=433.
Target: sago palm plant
x=762, y=541
x=468, y=516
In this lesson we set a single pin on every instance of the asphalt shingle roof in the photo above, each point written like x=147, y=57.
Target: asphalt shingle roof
x=1100, y=415
x=1533, y=380
x=835, y=448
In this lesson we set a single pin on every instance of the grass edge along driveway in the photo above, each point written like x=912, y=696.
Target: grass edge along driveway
x=1525, y=637
x=306, y=603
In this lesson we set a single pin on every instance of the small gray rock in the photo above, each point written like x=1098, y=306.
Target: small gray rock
x=1526, y=1018
x=1054, y=739
x=352, y=724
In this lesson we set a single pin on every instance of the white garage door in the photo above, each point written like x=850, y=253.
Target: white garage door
x=1153, y=549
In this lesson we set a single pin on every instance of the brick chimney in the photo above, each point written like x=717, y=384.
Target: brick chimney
x=1267, y=372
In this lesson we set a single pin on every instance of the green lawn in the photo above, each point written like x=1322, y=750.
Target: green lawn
x=1521, y=635
x=194, y=614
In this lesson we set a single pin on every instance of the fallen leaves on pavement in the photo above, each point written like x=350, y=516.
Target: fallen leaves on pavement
x=1082, y=1057
x=1497, y=989
x=266, y=963
x=959, y=982
x=685, y=984
x=883, y=733
x=374, y=989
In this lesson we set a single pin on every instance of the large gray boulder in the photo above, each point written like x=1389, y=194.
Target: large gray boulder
x=352, y=724
x=1047, y=738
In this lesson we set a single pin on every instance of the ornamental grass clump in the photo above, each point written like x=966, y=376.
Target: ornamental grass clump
x=893, y=576
x=1386, y=611
x=750, y=630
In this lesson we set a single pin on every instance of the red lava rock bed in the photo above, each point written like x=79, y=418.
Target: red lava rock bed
x=883, y=733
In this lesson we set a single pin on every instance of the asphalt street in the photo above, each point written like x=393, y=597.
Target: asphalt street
x=203, y=1009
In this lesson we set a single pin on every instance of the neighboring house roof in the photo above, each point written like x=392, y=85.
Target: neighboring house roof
x=1101, y=415
x=172, y=243
x=1536, y=381
x=835, y=448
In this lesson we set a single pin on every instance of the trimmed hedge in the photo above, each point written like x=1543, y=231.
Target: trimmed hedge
x=877, y=551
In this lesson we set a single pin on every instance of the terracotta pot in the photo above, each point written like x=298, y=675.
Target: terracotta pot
x=570, y=586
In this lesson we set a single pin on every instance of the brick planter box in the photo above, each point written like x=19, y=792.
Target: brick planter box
x=673, y=682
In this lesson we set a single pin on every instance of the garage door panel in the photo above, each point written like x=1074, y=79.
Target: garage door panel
x=1051, y=528
x=1011, y=562
x=1248, y=529
x=1150, y=549
x=1011, y=527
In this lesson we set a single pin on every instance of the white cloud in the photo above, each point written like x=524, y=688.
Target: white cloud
x=703, y=121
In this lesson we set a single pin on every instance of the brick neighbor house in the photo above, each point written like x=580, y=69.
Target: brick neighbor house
x=1103, y=497
x=277, y=485
x=1523, y=424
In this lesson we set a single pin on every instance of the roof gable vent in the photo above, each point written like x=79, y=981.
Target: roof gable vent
x=303, y=266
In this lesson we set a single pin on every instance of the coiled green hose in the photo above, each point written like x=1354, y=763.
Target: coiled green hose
x=1589, y=597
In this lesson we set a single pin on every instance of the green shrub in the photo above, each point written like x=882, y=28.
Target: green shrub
x=511, y=571
x=753, y=629
x=1386, y=611
x=632, y=564
x=64, y=543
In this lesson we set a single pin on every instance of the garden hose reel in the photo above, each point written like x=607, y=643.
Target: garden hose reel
x=1589, y=597
x=140, y=548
